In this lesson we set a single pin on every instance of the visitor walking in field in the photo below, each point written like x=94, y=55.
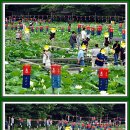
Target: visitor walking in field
x=46, y=57
x=83, y=34
x=85, y=42
x=81, y=55
x=95, y=51
x=78, y=38
x=116, y=47
x=72, y=40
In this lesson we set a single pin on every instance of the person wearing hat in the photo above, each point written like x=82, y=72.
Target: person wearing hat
x=27, y=34
x=46, y=57
x=81, y=55
x=106, y=38
x=116, y=47
x=100, y=58
x=52, y=33
x=122, y=53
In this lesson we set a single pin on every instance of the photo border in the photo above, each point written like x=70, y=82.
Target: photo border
x=64, y=95
x=126, y=108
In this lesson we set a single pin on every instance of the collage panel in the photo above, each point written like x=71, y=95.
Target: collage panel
x=65, y=49
x=65, y=116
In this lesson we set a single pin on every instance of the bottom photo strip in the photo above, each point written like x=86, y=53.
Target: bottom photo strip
x=65, y=115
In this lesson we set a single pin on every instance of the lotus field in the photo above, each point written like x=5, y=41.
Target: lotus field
x=82, y=83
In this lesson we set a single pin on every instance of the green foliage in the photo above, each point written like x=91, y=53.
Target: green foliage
x=59, y=111
x=88, y=79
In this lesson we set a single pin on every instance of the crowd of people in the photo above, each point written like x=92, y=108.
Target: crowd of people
x=95, y=125
x=86, y=124
x=99, y=54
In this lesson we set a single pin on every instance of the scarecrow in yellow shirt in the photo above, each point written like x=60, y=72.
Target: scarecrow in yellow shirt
x=27, y=34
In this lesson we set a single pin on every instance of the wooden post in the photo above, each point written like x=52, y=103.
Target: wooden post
x=53, y=91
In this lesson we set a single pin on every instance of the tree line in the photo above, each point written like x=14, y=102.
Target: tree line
x=60, y=111
x=62, y=9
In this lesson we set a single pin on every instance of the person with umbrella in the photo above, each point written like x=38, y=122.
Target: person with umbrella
x=116, y=47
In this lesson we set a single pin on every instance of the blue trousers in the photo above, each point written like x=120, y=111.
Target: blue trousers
x=123, y=36
x=116, y=59
x=72, y=45
x=79, y=30
x=82, y=63
x=110, y=34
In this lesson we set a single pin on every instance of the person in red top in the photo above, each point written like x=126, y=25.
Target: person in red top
x=6, y=26
x=111, y=30
x=36, y=29
x=41, y=28
x=69, y=27
x=88, y=29
x=79, y=28
x=83, y=125
x=123, y=33
x=101, y=126
x=89, y=126
x=93, y=127
x=92, y=30
x=73, y=125
x=65, y=123
x=105, y=127
x=109, y=26
x=99, y=29
x=120, y=27
x=21, y=122
x=32, y=28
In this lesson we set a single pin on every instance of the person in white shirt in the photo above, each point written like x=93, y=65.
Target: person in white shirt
x=78, y=38
x=95, y=51
x=18, y=35
x=46, y=57
x=83, y=34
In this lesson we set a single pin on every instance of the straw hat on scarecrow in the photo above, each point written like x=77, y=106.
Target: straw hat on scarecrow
x=106, y=34
x=46, y=47
x=53, y=30
x=123, y=44
x=26, y=30
x=83, y=47
x=103, y=51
